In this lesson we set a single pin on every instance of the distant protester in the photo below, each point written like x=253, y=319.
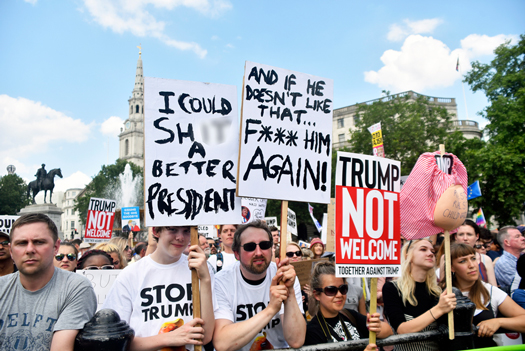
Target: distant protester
x=95, y=259
x=119, y=261
x=66, y=258
x=317, y=248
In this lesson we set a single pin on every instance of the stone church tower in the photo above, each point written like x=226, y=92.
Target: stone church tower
x=131, y=146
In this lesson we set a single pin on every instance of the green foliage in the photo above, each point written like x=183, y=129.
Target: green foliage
x=101, y=185
x=501, y=162
x=409, y=126
x=13, y=194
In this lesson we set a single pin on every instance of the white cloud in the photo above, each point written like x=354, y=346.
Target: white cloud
x=214, y=37
x=32, y=2
x=425, y=62
x=230, y=46
x=399, y=32
x=75, y=180
x=30, y=127
x=111, y=126
x=132, y=16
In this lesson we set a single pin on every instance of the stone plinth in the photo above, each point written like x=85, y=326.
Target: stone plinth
x=51, y=210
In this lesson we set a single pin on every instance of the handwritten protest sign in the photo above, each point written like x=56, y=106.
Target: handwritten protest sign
x=208, y=231
x=367, y=216
x=252, y=209
x=6, y=222
x=286, y=135
x=102, y=281
x=271, y=221
x=191, y=140
x=303, y=269
x=130, y=219
x=101, y=214
x=292, y=223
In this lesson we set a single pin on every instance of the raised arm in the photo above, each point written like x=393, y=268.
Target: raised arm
x=232, y=336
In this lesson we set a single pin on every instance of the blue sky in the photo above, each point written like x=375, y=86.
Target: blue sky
x=68, y=67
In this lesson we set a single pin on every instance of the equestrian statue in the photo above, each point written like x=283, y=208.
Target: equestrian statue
x=44, y=181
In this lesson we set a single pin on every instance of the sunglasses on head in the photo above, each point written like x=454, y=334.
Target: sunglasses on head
x=70, y=257
x=4, y=243
x=296, y=253
x=332, y=290
x=264, y=245
x=108, y=266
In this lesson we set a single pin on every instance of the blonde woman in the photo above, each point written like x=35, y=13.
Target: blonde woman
x=119, y=261
x=414, y=302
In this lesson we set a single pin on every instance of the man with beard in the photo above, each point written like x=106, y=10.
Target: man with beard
x=42, y=307
x=259, y=302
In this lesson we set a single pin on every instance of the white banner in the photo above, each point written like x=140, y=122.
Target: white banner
x=6, y=222
x=252, y=209
x=102, y=280
x=286, y=135
x=292, y=224
x=191, y=141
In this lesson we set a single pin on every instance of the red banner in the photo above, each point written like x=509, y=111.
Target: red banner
x=99, y=226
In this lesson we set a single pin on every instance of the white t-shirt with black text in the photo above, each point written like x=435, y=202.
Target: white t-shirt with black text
x=227, y=260
x=148, y=294
x=238, y=301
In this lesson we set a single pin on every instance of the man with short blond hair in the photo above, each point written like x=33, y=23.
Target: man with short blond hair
x=41, y=305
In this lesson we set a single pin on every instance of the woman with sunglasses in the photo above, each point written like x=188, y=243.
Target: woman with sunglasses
x=293, y=252
x=489, y=300
x=95, y=259
x=415, y=302
x=334, y=323
x=66, y=258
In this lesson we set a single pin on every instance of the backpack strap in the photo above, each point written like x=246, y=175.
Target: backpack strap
x=221, y=260
x=349, y=315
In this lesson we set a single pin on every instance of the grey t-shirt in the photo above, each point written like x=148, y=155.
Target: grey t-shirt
x=29, y=318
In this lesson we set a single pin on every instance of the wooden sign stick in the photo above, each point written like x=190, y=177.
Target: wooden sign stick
x=448, y=274
x=284, y=229
x=373, y=307
x=195, y=287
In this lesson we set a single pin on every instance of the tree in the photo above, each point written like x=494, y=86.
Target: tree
x=501, y=162
x=409, y=126
x=13, y=194
x=103, y=185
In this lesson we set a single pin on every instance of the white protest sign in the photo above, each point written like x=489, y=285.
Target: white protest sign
x=367, y=224
x=191, y=141
x=208, y=231
x=252, y=209
x=102, y=280
x=292, y=224
x=6, y=222
x=286, y=135
x=99, y=225
x=271, y=221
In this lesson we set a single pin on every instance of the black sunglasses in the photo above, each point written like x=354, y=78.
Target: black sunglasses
x=70, y=257
x=332, y=290
x=264, y=245
x=90, y=268
x=4, y=243
x=296, y=253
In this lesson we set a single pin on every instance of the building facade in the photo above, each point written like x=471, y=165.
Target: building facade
x=345, y=118
x=71, y=226
x=131, y=138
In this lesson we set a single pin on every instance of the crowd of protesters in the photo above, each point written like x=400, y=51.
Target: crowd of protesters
x=251, y=298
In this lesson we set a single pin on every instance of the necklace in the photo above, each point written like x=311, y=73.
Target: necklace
x=346, y=337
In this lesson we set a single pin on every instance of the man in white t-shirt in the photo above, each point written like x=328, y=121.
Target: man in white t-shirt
x=157, y=289
x=253, y=309
x=226, y=257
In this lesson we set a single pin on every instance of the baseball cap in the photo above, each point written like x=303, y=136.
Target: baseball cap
x=5, y=235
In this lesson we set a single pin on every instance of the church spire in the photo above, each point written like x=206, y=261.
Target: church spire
x=138, y=90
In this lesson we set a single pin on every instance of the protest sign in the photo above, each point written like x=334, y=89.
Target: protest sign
x=252, y=209
x=6, y=222
x=292, y=224
x=130, y=219
x=286, y=135
x=271, y=221
x=208, y=231
x=102, y=280
x=101, y=214
x=377, y=140
x=303, y=269
x=367, y=216
x=191, y=141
